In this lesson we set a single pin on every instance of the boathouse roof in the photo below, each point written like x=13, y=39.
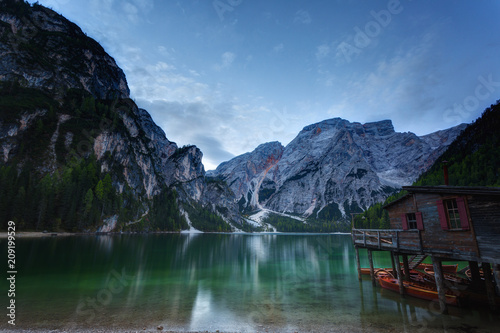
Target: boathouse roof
x=444, y=189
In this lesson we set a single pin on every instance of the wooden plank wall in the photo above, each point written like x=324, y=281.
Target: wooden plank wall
x=452, y=243
x=485, y=214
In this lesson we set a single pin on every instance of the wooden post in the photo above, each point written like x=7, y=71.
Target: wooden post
x=372, y=271
x=438, y=276
x=490, y=289
x=358, y=262
x=394, y=271
x=400, y=276
x=475, y=276
x=496, y=275
x=407, y=267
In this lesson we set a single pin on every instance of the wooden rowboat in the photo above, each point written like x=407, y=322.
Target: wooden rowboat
x=415, y=289
x=451, y=269
x=453, y=278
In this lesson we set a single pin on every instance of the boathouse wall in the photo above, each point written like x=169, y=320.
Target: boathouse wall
x=450, y=243
x=478, y=239
x=485, y=214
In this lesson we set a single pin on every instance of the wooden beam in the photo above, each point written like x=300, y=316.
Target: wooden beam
x=372, y=271
x=400, y=276
x=490, y=289
x=420, y=241
x=358, y=262
x=438, y=276
x=407, y=267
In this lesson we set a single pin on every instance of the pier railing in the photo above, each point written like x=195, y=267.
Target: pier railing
x=388, y=239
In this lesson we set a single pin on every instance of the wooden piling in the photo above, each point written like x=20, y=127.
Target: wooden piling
x=394, y=272
x=407, y=267
x=490, y=289
x=496, y=275
x=358, y=262
x=475, y=276
x=372, y=271
x=400, y=275
x=438, y=276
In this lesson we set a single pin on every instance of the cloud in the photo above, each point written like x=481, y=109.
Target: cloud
x=302, y=16
x=406, y=87
x=278, y=48
x=213, y=150
x=227, y=60
x=322, y=51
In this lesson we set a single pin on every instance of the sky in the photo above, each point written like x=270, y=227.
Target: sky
x=228, y=75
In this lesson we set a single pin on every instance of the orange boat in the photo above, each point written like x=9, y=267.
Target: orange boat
x=415, y=289
x=452, y=269
x=446, y=268
x=429, y=277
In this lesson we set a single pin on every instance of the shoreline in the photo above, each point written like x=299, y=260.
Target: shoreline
x=41, y=234
x=36, y=234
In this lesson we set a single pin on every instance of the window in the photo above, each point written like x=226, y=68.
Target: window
x=453, y=214
x=411, y=218
x=412, y=221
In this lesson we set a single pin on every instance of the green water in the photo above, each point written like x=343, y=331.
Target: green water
x=213, y=282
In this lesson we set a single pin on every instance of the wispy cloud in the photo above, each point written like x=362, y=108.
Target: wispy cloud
x=302, y=16
x=405, y=87
x=227, y=60
x=279, y=48
x=322, y=51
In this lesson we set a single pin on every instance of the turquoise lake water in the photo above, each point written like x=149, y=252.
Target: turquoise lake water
x=209, y=282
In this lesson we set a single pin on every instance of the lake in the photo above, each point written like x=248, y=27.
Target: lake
x=209, y=282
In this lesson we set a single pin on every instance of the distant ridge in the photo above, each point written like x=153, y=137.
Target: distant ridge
x=332, y=168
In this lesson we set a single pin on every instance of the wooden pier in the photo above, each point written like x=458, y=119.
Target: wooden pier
x=444, y=223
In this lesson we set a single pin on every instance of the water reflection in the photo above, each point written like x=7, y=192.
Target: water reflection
x=212, y=282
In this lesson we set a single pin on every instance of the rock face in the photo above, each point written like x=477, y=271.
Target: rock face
x=83, y=111
x=333, y=164
x=246, y=173
x=41, y=48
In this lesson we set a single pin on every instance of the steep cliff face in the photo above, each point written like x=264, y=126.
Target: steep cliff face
x=337, y=165
x=246, y=174
x=65, y=112
x=42, y=49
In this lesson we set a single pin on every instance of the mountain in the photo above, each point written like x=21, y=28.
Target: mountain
x=332, y=168
x=474, y=157
x=76, y=152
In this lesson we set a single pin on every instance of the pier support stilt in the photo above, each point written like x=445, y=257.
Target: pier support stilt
x=475, y=276
x=496, y=275
x=358, y=262
x=490, y=289
x=372, y=271
x=400, y=275
x=438, y=276
x=407, y=267
x=394, y=271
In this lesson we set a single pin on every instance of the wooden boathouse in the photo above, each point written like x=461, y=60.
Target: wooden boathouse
x=446, y=223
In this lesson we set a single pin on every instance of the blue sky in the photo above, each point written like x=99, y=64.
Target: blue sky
x=227, y=75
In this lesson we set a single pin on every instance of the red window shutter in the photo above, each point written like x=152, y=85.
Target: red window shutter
x=404, y=222
x=420, y=221
x=442, y=215
x=462, y=211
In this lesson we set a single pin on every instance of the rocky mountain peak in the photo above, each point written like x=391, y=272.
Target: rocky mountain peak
x=335, y=166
